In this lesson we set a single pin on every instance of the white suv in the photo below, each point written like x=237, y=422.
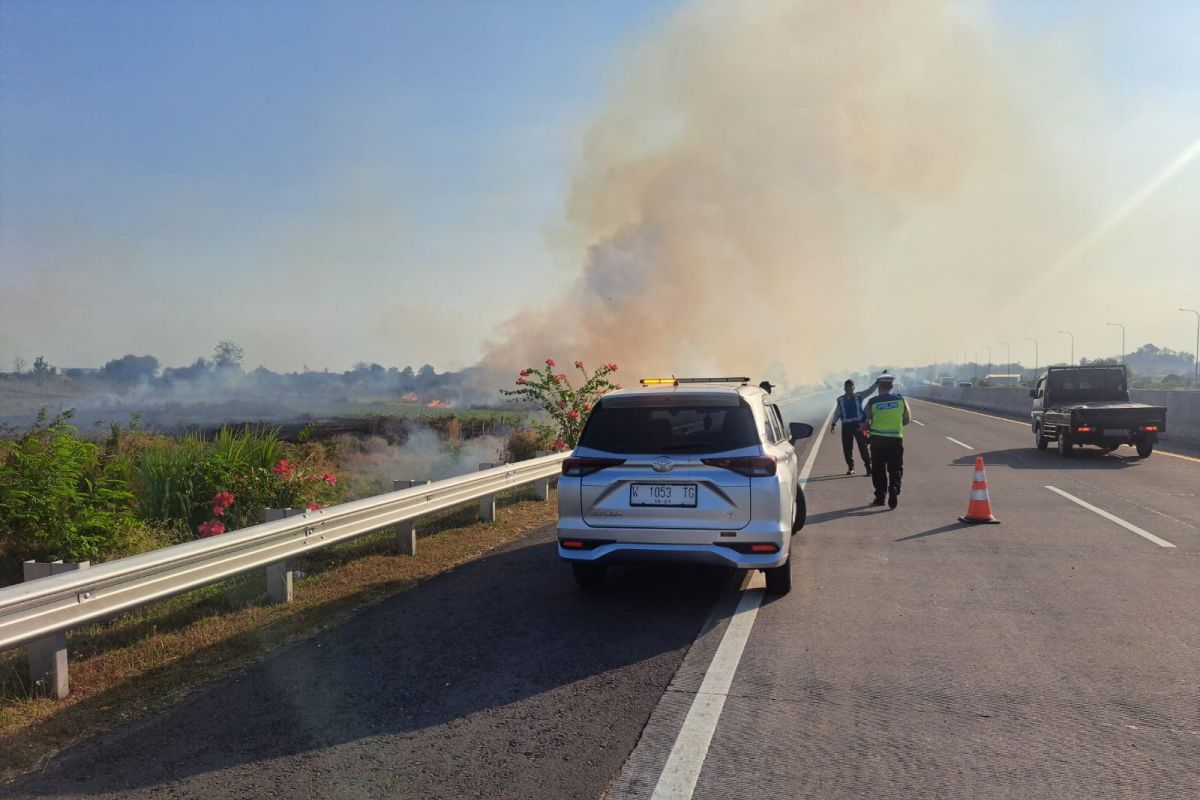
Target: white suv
x=692, y=470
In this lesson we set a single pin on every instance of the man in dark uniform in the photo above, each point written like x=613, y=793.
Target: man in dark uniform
x=886, y=415
x=850, y=411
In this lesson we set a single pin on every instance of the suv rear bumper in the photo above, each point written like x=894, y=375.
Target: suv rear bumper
x=602, y=549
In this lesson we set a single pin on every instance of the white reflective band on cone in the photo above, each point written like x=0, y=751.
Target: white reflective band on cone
x=979, y=494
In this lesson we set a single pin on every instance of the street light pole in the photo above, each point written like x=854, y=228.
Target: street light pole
x=988, y=347
x=1068, y=333
x=1035, y=355
x=1007, y=358
x=975, y=365
x=1196, y=355
x=1122, y=327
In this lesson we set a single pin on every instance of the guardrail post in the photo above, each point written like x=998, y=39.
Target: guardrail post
x=487, y=504
x=541, y=489
x=279, y=576
x=406, y=532
x=48, y=655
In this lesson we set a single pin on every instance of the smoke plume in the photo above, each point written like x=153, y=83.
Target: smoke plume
x=771, y=181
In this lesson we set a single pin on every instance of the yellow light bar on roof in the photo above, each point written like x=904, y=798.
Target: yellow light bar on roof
x=659, y=382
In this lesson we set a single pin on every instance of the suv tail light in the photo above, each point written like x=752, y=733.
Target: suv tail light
x=750, y=466
x=577, y=467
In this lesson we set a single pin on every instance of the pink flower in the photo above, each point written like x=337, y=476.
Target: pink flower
x=578, y=365
x=526, y=371
x=214, y=527
x=329, y=478
x=562, y=403
x=573, y=415
x=520, y=381
x=611, y=367
x=560, y=378
x=550, y=362
x=312, y=506
x=221, y=502
x=283, y=468
x=559, y=444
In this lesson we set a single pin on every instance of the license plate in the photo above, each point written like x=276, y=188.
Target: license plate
x=680, y=495
x=1116, y=431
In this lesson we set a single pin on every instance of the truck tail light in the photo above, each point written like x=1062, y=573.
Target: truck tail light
x=1151, y=428
x=750, y=466
x=1084, y=429
x=577, y=467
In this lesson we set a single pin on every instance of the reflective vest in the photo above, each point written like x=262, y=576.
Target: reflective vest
x=887, y=416
x=850, y=407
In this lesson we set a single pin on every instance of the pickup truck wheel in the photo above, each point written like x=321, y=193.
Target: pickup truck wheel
x=801, y=512
x=1064, y=443
x=1144, y=448
x=779, y=579
x=1041, y=441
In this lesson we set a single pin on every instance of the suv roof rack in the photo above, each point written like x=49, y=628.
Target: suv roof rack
x=673, y=381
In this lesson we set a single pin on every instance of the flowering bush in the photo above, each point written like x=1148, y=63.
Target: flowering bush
x=566, y=404
x=214, y=527
x=286, y=484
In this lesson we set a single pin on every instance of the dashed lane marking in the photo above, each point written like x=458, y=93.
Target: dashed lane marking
x=1180, y=456
x=1112, y=517
x=917, y=421
x=682, y=770
x=960, y=444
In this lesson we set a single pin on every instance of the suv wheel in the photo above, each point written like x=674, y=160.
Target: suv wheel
x=1064, y=443
x=801, y=512
x=779, y=579
x=589, y=575
x=1041, y=441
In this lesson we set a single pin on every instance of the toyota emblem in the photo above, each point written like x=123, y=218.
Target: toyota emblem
x=663, y=464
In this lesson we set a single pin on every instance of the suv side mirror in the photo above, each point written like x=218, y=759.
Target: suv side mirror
x=1033, y=393
x=799, y=430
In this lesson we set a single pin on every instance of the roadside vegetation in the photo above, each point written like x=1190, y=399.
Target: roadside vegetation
x=147, y=660
x=64, y=496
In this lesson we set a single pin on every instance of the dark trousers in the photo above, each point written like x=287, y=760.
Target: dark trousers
x=851, y=433
x=887, y=464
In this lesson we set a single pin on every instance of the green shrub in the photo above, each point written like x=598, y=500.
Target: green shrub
x=524, y=443
x=60, y=498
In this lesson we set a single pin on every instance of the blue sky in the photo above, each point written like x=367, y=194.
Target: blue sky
x=183, y=154
x=330, y=182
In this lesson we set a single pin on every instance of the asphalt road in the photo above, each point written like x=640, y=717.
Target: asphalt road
x=1052, y=656
x=1055, y=655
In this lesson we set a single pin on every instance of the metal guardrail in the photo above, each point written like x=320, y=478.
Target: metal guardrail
x=55, y=604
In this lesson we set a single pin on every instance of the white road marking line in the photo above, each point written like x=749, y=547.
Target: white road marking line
x=812, y=454
x=965, y=410
x=1177, y=455
x=1026, y=424
x=922, y=424
x=678, y=778
x=682, y=770
x=960, y=444
x=1112, y=518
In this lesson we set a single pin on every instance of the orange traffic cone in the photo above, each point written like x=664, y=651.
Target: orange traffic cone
x=979, y=507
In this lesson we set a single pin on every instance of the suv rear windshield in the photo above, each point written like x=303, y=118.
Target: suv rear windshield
x=669, y=428
x=1088, y=384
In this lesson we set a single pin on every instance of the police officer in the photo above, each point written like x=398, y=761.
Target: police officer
x=850, y=411
x=887, y=414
